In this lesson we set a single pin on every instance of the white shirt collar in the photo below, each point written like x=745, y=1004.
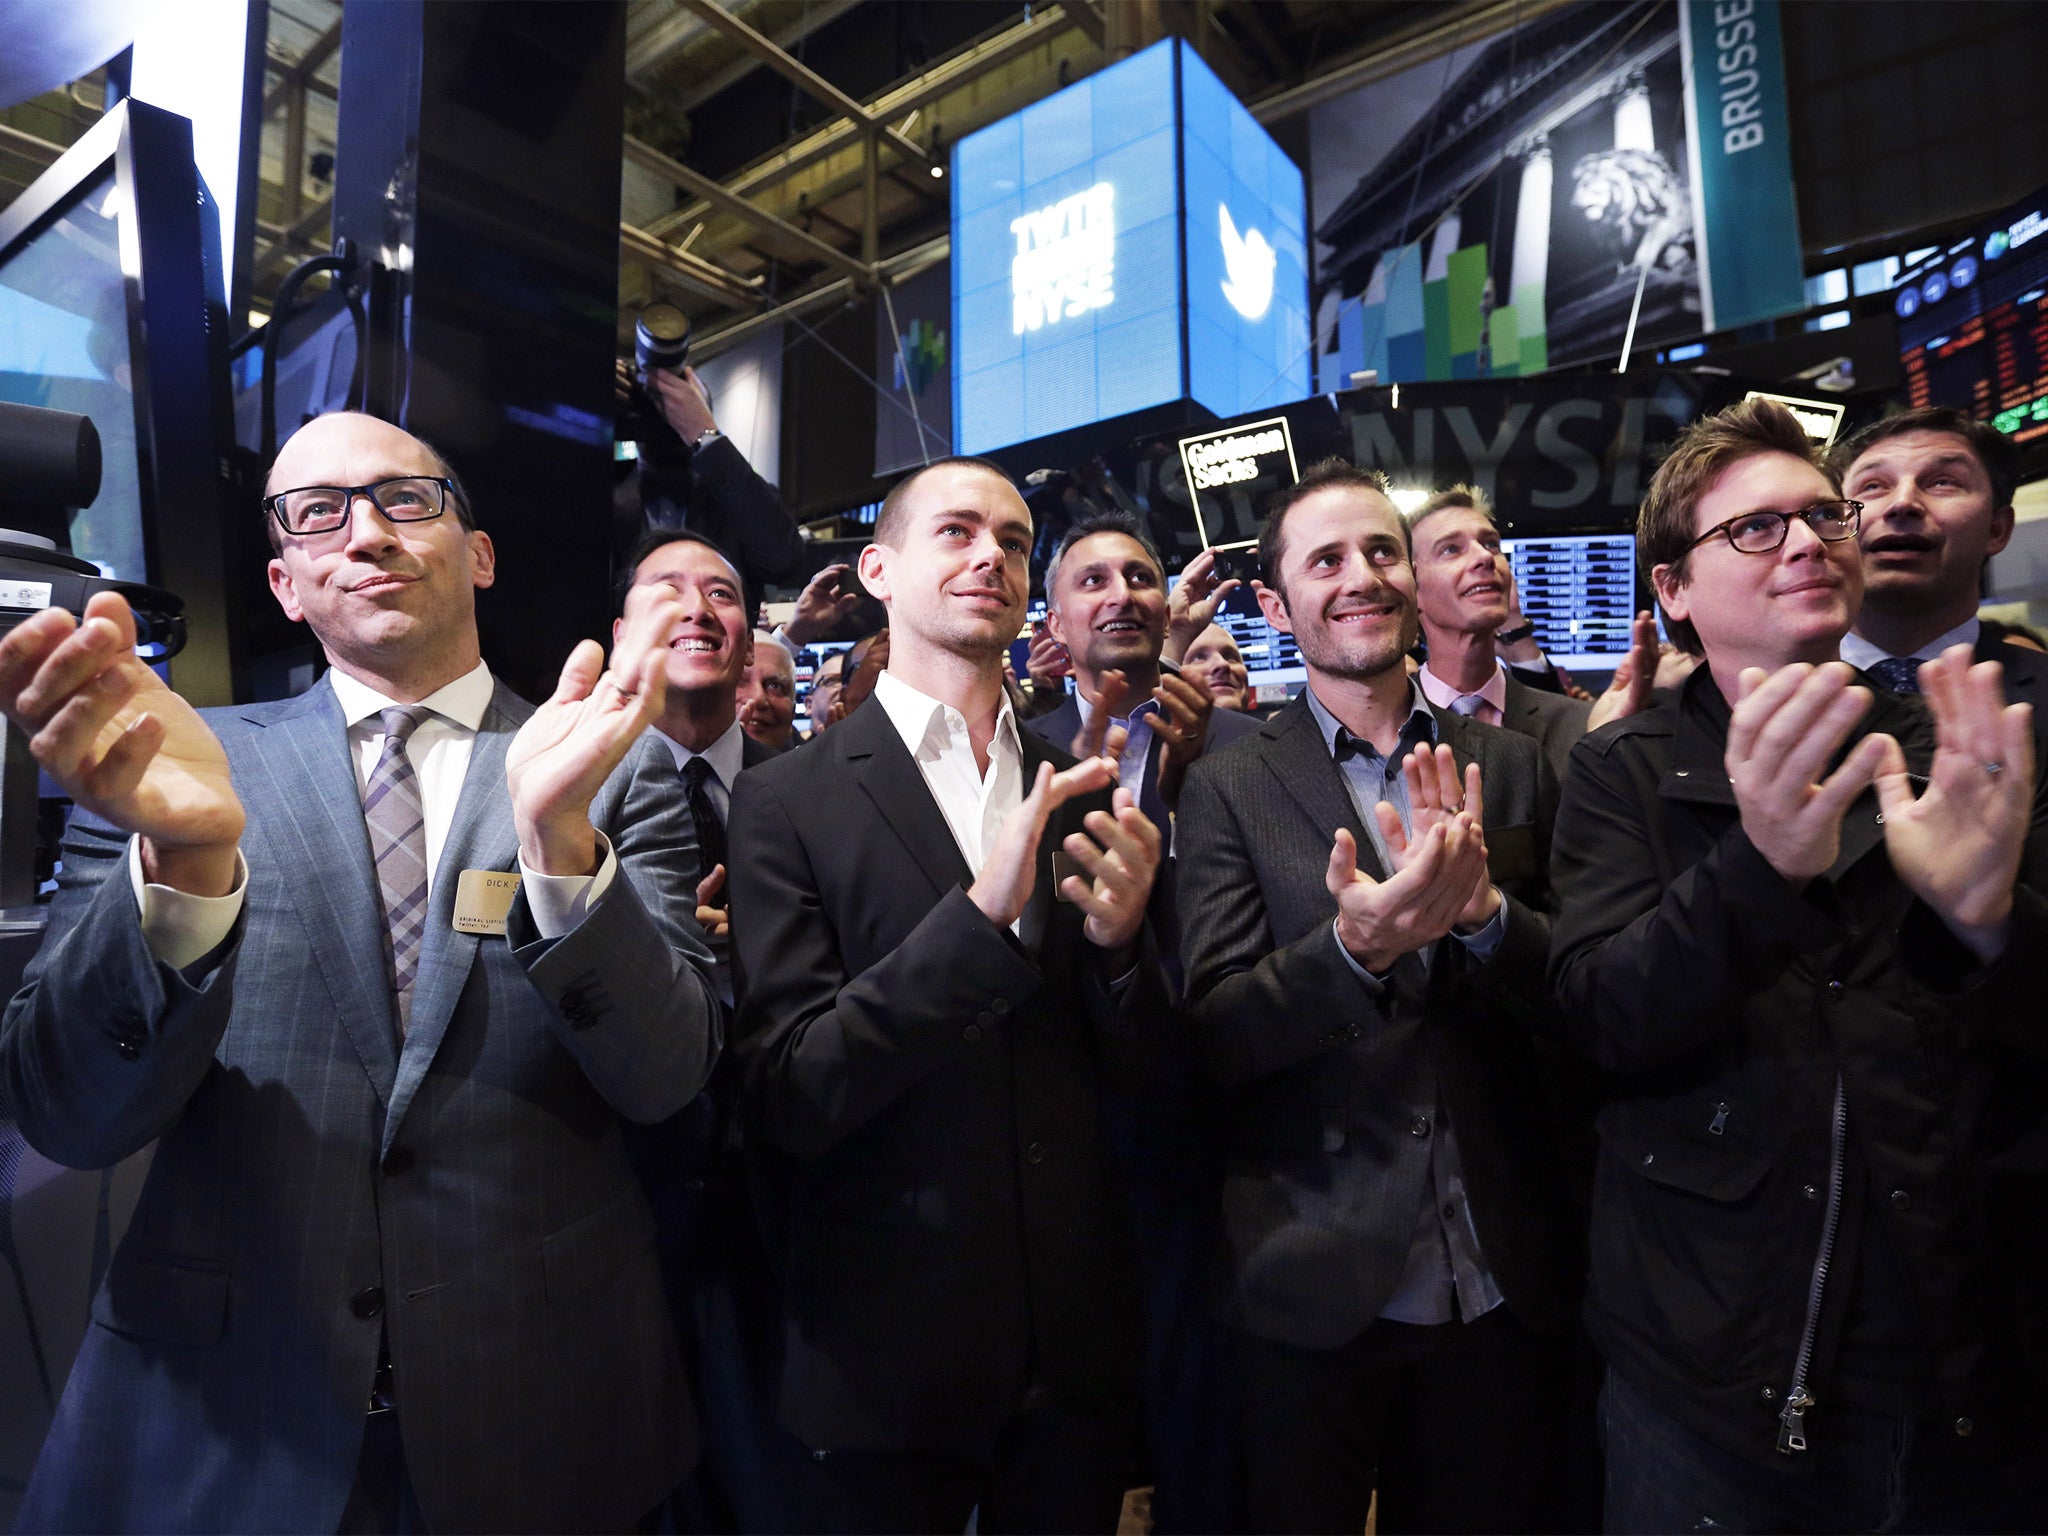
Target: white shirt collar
x=1861, y=654
x=918, y=716
x=725, y=755
x=461, y=702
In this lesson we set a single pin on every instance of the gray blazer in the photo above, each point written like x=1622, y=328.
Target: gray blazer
x=315, y=1188
x=1554, y=720
x=1332, y=1093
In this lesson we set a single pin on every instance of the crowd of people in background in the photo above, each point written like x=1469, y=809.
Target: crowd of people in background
x=1443, y=1097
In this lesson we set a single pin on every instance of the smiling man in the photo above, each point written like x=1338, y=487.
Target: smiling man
x=1364, y=934
x=388, y=1270
x=1465, y=596
x=1799, y=931
x=929, y=1020
x=1937, y=489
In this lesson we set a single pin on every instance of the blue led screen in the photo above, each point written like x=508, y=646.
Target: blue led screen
x=1069, y=301
x=1248, y=340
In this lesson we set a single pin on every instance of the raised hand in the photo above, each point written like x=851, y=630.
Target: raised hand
x=1182, y=725
x=1191, y=606
x=122, y=744
x=1097, y=738
x=1957, y=844
x=565, y=752
x=1120, y=853
x=821, y=606
x=1635, y=680
x=1378, y=921
x=1782, y=734
x=1047, y=661
x=1009, y=873
x=1437, y=795
x=712, y=916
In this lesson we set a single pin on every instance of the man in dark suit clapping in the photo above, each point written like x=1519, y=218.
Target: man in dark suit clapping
x=926, y=1029
x=1364, y=935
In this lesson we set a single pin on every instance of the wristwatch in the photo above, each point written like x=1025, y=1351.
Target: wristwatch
x=708, y=435
x=1518, y=634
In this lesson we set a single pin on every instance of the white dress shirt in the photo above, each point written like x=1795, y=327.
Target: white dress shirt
x=181, y=928
x=1862, y=655
x=975, y=804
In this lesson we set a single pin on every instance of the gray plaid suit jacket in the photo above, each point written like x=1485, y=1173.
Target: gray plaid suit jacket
x=315, y=1187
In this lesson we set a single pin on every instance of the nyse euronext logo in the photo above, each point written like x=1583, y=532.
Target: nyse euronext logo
x=923, y=353
x=1065, y=264
x=1248, y=263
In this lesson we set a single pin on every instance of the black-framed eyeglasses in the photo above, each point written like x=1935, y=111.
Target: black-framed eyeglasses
x=1759, y=533
x=323, y=508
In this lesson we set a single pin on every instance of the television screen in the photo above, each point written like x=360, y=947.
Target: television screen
x=64, y=345
x=1272, y=661
x=808, y=659
x=1580, y=593
x=1973, y=322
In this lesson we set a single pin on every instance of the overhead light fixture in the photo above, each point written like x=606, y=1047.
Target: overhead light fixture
x=938, y=151
x=1406, y=498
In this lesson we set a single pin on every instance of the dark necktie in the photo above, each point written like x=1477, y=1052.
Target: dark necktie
x=1901, y=674
x=710, y=829
x=393, y=812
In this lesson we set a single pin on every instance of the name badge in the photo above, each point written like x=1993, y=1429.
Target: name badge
x=483, y=900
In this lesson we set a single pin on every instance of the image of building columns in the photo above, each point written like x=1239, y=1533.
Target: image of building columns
x=1530, y=270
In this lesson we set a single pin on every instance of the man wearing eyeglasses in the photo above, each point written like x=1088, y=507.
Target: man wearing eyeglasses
x=1797, y=930
x=380, y=969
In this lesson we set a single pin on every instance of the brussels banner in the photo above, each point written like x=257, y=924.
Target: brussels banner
x=1132, y=240
x=1742, y=196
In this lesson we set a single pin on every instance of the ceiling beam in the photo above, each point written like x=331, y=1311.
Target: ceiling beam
x=691, y=270
x=699, y=185
x=838, y=290
x=1448, y=29
x=984, y=58
x=28, y=146
x=809, y=80
x=299, y=232
x=300, y=71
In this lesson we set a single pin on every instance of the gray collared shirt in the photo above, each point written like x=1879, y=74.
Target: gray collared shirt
x=1446, y=1278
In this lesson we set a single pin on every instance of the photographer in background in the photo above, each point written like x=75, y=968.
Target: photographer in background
x=690, y=475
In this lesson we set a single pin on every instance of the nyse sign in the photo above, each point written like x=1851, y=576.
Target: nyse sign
x=1065, y=263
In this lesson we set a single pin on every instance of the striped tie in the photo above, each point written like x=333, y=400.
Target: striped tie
x=398, y=844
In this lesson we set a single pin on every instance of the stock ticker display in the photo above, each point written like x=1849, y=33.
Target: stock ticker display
x=1580, y=593
x=1973, y=323
x=1134, y=239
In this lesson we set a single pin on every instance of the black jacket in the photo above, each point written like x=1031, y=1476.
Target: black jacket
x=954, y=1230
x=1724, y=1004
x=1333, y=1093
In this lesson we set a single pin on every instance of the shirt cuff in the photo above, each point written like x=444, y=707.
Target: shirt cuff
x=780, y=635
x=559, y=902
x=1374, y=985
x=1540, y=664
x=178, y=926
x=1481, y=945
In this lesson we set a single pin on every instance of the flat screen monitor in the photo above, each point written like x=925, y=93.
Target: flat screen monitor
x=1580, y=593
x=1973, y=322
x=64, y=346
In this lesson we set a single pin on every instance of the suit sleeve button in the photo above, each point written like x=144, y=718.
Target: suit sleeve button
x=1035, y=1153
x=1000, y=1007
x=971, y=1033
x=1419, y=1127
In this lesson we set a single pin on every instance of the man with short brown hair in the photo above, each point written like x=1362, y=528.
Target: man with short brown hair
x=1795, y=932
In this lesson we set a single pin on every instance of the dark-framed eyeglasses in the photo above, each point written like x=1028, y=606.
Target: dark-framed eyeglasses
x=315, y=509
x=1759, y=533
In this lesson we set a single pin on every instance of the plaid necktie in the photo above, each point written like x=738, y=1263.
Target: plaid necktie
x=398, y=843
x=1901, y=674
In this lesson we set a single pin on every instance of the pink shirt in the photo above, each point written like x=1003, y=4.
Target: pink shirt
x=1488, y=705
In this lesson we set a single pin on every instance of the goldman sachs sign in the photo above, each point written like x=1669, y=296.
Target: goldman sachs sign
x=1133, y=240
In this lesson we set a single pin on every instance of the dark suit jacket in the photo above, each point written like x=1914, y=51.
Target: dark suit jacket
x=2026, y=671
x=1555, y=721
x=315, y=1186
x=953, y=1231
x=1333, y=1093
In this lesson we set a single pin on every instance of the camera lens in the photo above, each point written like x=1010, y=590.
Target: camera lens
x=661, y=339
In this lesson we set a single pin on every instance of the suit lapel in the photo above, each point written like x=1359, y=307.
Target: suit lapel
x=1038, y=910
x=318, y=834
x=479, y=837
x=890, y=777
x=1300, y=759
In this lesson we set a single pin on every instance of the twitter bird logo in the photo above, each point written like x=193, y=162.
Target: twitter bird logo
x=1249, y=261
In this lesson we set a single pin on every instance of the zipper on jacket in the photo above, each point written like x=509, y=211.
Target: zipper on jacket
x=1792, y=1418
